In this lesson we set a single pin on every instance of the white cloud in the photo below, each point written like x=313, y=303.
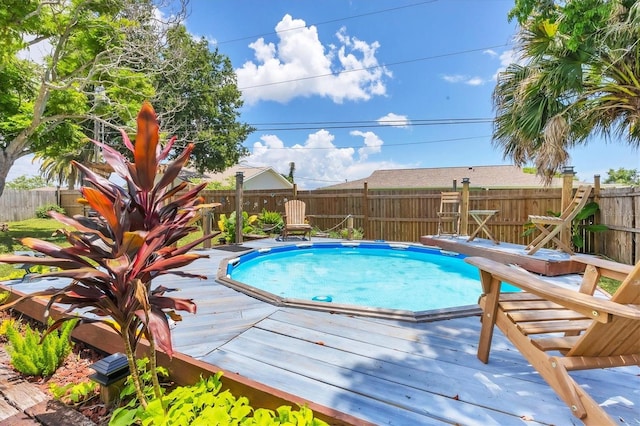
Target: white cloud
x=394, y=120
x=490, y=52
x=459, y=78
x=372, y=144
x=319, y=162
x=455, y=78
x=349, y=71
x=475, y=81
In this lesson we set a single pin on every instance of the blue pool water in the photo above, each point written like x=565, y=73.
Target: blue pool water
x=400, y=277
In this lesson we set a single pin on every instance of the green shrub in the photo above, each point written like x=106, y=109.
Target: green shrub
x=42, y=212
x=357, y=234
x=33, y=355
x=203, y=404
x=228, y=225
x=270, y=221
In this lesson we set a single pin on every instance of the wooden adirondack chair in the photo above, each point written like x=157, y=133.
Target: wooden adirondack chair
x=550, y=226
x=450, y=204
x=588, y=332
x=295, y=219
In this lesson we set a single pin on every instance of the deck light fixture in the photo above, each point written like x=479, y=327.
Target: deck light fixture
x=110, y=373
x=466, y=180
x=568, y=170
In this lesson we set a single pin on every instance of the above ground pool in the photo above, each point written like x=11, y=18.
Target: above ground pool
x=382, y=279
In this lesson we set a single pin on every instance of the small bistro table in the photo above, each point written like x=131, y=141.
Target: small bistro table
x=482, y=217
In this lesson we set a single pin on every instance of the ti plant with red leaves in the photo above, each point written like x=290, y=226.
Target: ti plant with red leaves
x=114, y=257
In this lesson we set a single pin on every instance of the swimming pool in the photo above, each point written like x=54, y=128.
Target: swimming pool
x=381, y=279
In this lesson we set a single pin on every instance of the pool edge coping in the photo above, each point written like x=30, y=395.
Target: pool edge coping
x=392, y=314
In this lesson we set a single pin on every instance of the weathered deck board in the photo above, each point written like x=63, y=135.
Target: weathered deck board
x=350, y=402
x=384, y=371
x=398, y=379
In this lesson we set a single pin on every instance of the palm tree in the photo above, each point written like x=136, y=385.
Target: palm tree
x=612, y=91
x=569, y=88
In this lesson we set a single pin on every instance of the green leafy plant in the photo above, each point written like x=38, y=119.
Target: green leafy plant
x=205, y=403
x=113, y=257
x=125, y=414
x=35, y=354
x=74, y=394
x=42, y=212
x=227, y=224
x=356, y=234
x=270, y=221
x=587, y=212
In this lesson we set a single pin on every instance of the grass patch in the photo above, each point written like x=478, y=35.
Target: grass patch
x=609, y=285
x=42, y=229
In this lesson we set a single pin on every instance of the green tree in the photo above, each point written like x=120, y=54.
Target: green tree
x=90, y=44
x=27, y=182
x=623, y=176
x=199, y=100
x=104, y=58
x=292, y=169
x=580, y=78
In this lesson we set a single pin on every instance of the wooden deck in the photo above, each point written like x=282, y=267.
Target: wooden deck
x=546, y=262
x=379, y=371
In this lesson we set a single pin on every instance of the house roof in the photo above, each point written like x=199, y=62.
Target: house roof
x=249, y=173
x=503, y=176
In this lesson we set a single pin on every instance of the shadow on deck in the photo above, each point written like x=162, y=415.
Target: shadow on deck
x=546, y=262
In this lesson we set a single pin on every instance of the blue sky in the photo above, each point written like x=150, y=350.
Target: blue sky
x=371, y=84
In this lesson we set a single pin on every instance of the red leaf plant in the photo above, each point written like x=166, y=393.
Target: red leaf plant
x=114, y=257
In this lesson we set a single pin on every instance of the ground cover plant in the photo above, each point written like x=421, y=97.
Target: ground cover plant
x=203, y=403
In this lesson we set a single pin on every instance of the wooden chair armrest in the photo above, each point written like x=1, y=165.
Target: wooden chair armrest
x=599, y=309
x=607, y=268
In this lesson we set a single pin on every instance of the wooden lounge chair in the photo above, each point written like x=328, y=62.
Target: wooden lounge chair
x=450, y=203
x=295, y=219
x=550, y=226
x=559, y=330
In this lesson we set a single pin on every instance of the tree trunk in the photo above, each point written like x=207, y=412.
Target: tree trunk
x=7, y=157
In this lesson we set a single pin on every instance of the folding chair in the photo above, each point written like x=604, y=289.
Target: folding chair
x=550, y=226
x=450, y=203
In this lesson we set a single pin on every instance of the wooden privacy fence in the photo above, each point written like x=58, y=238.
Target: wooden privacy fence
x=18, y=205
x=407, y=214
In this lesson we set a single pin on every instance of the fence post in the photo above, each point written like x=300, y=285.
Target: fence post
x=365, y=211
x=350, y=228
x=239, y=217
x=206, y=213
x=597, y=240
x=567, y=195
x=464, y=207
x=295, y=191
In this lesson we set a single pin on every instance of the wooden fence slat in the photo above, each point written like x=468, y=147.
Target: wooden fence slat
x=408, y=214
x=16, y=205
